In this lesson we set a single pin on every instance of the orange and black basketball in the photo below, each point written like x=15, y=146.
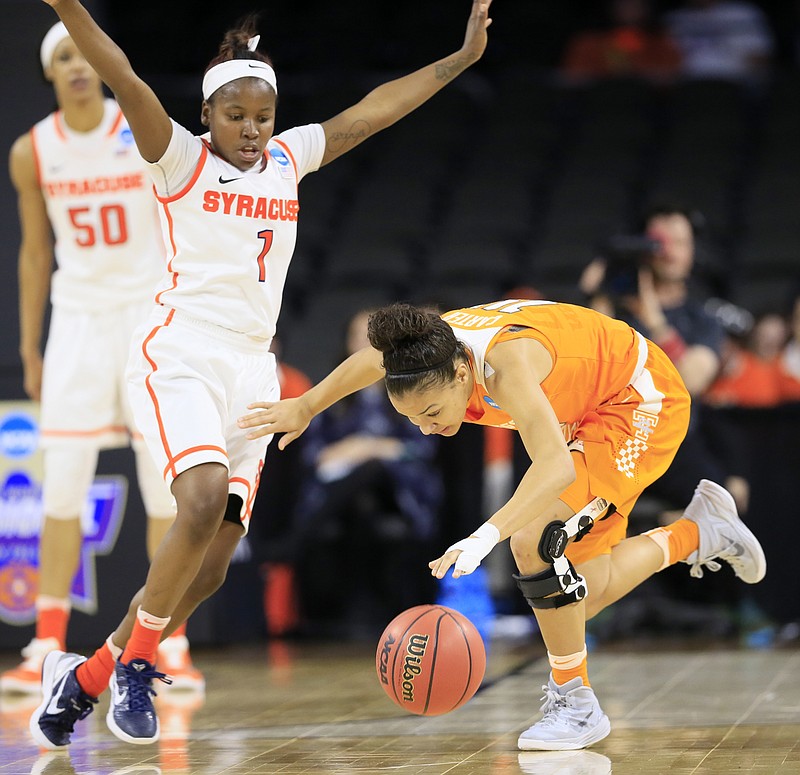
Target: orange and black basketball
x=430, y=660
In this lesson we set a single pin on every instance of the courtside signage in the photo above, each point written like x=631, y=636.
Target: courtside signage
x=21, y=516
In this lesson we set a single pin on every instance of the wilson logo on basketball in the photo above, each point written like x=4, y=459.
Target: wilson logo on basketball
x=415, y=651
x=384, y=661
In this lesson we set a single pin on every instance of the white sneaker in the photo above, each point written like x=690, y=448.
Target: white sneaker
x=175, y=660
x=563, y=763
x=27, y=677
x=572, y=719
x=723, y=535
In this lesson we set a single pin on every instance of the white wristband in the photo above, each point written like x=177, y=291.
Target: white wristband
x=476, y=547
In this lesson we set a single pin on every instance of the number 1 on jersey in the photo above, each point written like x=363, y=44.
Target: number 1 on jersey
x=265, y=235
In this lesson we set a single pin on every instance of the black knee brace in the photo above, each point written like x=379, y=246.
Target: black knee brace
x=561, y=584
x=553, y=587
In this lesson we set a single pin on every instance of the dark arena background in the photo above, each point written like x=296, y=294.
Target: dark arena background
x=504, y=184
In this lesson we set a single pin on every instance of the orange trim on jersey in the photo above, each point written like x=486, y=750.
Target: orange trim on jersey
x=196, y=174
x=248, y=503
x=289, y=154
x=173, y=250
x=117, y=122
x=152, y=393
x=170, y=467
x=36, y=158
x=165, y=201
x=252, y=492
x=84, y=434
x=255, y=488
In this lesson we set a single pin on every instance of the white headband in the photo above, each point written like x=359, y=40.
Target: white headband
x=55, y=35
x=231, y=69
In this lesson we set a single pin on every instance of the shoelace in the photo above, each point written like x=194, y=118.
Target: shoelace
x=140, y=687
x=730, y=554
x=696, y=569
x=553, y=703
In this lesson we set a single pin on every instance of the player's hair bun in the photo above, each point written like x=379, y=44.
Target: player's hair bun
x=398, y=326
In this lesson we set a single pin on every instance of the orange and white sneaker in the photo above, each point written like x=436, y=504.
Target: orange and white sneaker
x=175, y=661
x=27, y=678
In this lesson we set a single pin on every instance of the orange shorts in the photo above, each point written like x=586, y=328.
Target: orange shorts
x=628, y=443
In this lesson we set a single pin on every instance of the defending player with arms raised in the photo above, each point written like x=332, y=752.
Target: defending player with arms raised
x=229, y=209
x=601, y=412
x=79, y=179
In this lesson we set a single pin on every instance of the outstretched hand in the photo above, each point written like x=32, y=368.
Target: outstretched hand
x=466, y=554
x=290, y=417
x=442, y=564
x=476, y=38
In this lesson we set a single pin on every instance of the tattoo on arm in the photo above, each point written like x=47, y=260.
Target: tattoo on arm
x=343, y=141
x=446, y=71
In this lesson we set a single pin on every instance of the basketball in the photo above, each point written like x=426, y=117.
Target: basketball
x=430, y=660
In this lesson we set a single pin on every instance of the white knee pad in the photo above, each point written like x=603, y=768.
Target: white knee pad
x=156, y=495
x=68, y=474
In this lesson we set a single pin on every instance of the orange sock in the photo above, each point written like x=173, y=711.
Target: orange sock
x=143, y=643
x=570, y=666
x=677, y=541
x=93, y=674
x=52, y=618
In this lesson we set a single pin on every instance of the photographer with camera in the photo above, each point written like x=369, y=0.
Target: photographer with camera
x=645, y=280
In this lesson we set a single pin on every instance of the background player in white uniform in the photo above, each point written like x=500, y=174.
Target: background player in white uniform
x=80, y=180
x=229, y=211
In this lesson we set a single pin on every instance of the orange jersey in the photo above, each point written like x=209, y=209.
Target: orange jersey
x=594, y=356
x=614, y=393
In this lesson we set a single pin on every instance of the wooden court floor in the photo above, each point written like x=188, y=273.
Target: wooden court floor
x=317, y=708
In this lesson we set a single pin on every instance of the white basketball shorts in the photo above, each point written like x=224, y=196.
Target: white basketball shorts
x=84, y=394
x=189, y=381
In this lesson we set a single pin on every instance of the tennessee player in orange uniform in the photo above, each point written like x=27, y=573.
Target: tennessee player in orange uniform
x=601, y=412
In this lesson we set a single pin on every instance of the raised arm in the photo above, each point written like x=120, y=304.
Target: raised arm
x=292, y=415
x=149, y=122
x=35, y=262
x=393, y=100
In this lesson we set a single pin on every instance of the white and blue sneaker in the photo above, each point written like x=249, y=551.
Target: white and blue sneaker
x=64, y=703
x=723, y=535
x=131, y=715
x=571, y=719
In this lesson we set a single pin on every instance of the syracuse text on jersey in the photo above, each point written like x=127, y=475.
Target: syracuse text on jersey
x=98, y=185
x=229, y=203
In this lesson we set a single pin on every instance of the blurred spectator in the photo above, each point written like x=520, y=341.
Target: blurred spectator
x=631, y=45
x=769, y=336
x=374, y=492
x=728, y=39
x=789, y=360
x=293, y=382
x=749, y=374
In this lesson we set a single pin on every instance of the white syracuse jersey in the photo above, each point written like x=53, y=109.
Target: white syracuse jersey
x=230, y=234
x=102, y=209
